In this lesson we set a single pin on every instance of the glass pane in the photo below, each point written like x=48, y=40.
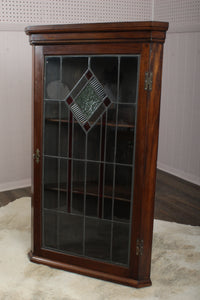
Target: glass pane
x=123, y=181
x=63, y=183
x=97, y=238
x=52, y=84
x=108, y=191
x=64, y=139
x=50, y=199
x=120, y=243
x=78, y=141
x=50, y=195
x=50, y=229
x=64, y=112
x=52, y=110
x=51, y=130
x=71, y=233
x=64, y=129
x=110, y=133
x=125, y=133
x=92, y=189
x=126, y=115
x=72, y=70
x=106, y=69
x=128, y=79
x=50, y=173
x=125, y=145
x=78, y=187
x=84, y=213
x=93, y=146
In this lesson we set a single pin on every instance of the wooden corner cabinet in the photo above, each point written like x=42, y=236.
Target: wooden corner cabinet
x=96, y=99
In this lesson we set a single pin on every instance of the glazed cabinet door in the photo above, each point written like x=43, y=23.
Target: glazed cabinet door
x=89, y=131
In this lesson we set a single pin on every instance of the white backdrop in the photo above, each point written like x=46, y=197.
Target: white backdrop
x=179, y=141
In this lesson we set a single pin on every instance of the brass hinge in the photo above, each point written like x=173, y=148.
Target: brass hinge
x=139, y=247
x=148, y=81
x=36, y=156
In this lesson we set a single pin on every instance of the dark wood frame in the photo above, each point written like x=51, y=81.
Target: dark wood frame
x=145, y=39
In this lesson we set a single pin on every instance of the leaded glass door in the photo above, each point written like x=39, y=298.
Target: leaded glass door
x=89, y=126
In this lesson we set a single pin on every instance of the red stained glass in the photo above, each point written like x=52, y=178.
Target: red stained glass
x=87, y=126
x=88, y=75
x=107, y=101
x=69, y=100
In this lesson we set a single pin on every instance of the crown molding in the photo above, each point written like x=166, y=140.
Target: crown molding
x=173, y=28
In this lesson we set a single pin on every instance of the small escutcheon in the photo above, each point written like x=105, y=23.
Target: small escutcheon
x=36, y=156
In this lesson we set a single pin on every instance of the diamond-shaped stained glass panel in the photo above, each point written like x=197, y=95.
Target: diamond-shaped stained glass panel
x=88, y=101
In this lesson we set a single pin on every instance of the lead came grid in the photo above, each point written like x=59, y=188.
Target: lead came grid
x=99, y=215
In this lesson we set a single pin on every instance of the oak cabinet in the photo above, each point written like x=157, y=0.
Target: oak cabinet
x=96, y=97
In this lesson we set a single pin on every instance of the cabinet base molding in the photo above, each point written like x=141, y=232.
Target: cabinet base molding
x=88, y=272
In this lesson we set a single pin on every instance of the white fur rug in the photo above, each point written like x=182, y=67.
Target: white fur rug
x=175, y=265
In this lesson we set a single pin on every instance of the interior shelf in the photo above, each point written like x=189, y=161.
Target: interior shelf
x=98, y=123
x=76, y=190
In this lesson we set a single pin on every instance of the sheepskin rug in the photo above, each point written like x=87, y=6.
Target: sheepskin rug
x=175, y=265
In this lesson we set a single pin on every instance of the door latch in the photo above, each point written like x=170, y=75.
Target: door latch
x=148, y=81
x=36, y=156
x=139, y=247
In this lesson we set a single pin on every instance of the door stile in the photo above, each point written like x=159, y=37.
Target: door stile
x=38, y=141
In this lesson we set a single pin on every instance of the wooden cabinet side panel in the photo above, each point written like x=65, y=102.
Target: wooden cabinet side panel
x=37, y=142
x=139, y=168
x=150, y=163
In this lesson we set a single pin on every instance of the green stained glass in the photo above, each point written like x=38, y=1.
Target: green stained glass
x=88, y=101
